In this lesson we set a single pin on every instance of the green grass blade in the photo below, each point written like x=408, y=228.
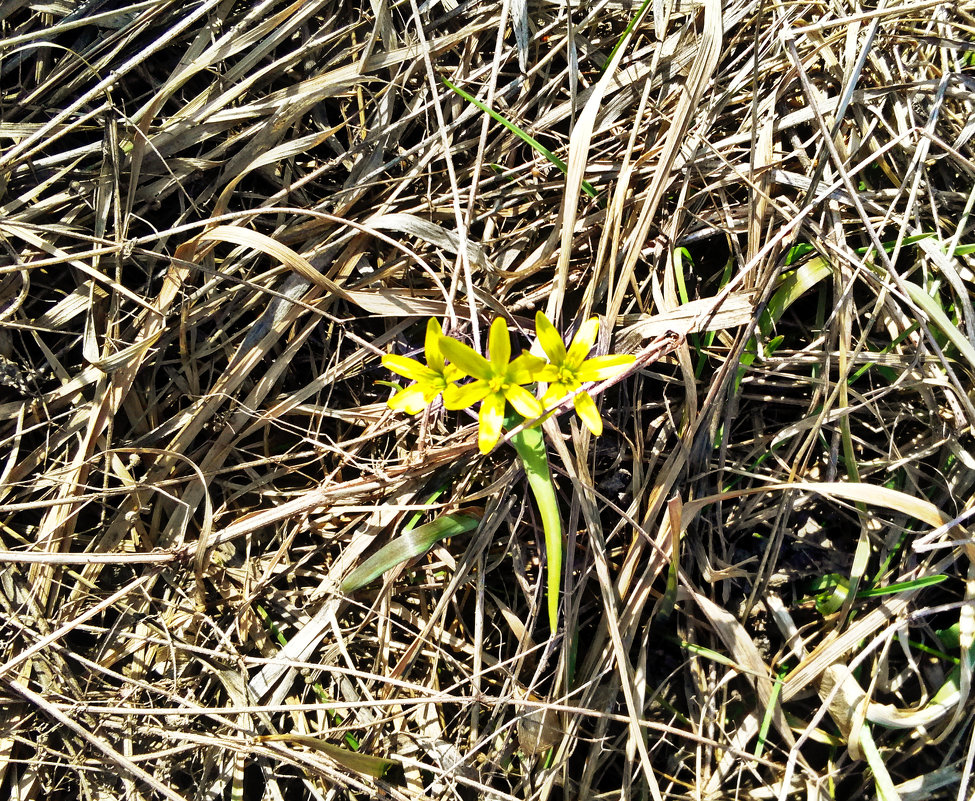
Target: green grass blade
x=376, y=767
x=793, y=287
x=767, y=718
x=317, y=688
x=937, y=316
x=408, y=545
x=902, y=586
x=886, y=791
x=525, y=137
x=626, y=32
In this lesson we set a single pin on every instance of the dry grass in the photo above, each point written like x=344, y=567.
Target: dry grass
x=216, y=216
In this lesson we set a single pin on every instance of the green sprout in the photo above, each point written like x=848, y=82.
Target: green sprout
x=568, y=370
x=496, y=380
x=431, y=378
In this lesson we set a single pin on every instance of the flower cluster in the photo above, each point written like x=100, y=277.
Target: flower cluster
x=499, y=379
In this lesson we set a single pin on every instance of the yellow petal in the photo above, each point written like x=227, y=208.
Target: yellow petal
x=547, y=373
x=490, y=417
x=410, y=400
x=525, y=369
x=549, y=339
x=499, y=346
x=466, y=358
x=599, y=368
x=583, y=341
x=431, y=345
x=407, y=367
x=525, y=403
x=588, y=413
x=559, y=390
x=452, y=373
x=461, y=396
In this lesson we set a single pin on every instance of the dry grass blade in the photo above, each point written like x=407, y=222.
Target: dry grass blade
x=273, y=248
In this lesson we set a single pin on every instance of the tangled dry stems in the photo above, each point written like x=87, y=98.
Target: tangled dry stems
x=215, y=217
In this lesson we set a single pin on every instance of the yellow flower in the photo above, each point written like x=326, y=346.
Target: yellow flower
x=496, y=380
x=431, y=378
x=569, y=369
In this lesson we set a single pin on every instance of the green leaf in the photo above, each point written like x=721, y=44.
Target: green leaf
x=682, y=256
x=376, y=767
x=933, y=310
x=408, y=545
x=833, y=591
x=629, y=27
x=793, y=286
x=525, y=137
x=530, y=444
x=769, y=713
x=902, y=586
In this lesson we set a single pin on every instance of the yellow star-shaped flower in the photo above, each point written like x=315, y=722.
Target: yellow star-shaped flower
x=496, y=380
x=569, y=369
x=431, y=378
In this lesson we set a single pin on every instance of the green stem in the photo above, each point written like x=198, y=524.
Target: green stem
x=530, y=444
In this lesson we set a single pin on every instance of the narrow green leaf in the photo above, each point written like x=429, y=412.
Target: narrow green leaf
x=668, y=602
x=769, y=712
x=376, y=767
x=530, y=444
x=793, y=286
x=902, y=586
x=833, y=591
x=408, y=545
x=796, y=252
x=271, y=625
x=885, y=350
x=525, y=137
x=682, y=256
x=714, y=656
x=316, y=687
x=629, y=27
x=937, y=316
x=886, y=791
